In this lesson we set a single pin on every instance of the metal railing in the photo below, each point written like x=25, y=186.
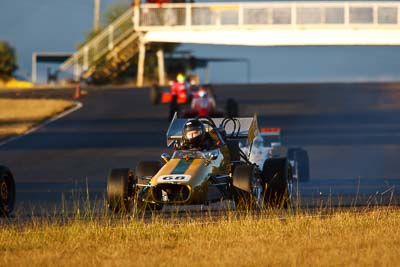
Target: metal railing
x=270, y=14
x=245, y=15
x=100, y=45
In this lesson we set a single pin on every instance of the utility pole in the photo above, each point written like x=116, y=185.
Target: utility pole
x=137, y=3
x=96, y=19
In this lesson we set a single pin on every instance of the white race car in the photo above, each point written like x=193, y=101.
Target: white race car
x=268, y=145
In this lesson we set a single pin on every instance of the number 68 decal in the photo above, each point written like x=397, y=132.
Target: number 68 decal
x=173, y=178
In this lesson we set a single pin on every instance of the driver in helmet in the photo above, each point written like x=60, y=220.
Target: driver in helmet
x=258, y=153
x=180, y=78
x=179, y=86
x=203, y=101
x=195, y=136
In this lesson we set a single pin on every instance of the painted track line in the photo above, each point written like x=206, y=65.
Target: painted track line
x=77, y=106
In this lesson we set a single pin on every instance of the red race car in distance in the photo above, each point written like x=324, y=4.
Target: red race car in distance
x=203, y=105
x=189, y=100
x=180, y=91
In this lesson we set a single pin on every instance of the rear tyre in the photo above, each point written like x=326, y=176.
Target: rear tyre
x=232, y=108
x=7, y=192
x=300, y=156
x=243, y=176
x=147, y=169
x=155, y=95
x=120, y=190
x=276, y=175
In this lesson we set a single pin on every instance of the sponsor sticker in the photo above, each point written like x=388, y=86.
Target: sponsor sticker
x=173, y=178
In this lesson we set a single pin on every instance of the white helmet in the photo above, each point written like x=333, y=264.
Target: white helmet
x=258, y=141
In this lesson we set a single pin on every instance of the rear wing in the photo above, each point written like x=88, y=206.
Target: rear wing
x=264, y=131
x=248, y=128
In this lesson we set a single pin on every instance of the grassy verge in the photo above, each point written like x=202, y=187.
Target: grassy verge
x=344, y=239
x=19, y=115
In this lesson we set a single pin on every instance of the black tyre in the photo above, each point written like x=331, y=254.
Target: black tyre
x=120, y=190
x=7, y=191
x=300, y=156
x=173, y=107
x=147, y=169
x=232, y=108
x=276, y=175
x=155, y=95
x=242, y=179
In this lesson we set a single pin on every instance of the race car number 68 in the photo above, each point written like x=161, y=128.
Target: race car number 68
x=174, y=178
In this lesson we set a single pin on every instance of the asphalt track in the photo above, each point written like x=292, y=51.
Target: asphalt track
x=351, y=132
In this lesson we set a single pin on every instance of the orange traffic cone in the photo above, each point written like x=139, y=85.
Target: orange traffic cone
x=77, y=93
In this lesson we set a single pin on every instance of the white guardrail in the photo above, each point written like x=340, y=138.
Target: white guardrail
x=270, y=14
x=244, y=15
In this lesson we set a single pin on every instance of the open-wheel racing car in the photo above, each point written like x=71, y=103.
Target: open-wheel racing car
x=203, y=104
x=200, y=99
x=268, y=144
x=179, y=91
x=7, y=191
x=207, y=166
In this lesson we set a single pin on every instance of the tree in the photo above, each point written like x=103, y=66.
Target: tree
x=7, y=61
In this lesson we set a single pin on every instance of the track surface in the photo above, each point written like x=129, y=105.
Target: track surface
x=351, y=131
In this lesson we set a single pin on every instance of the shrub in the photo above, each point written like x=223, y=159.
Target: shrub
x=7, y=61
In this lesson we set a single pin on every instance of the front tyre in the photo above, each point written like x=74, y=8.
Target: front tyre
x=7, y=192
x=120, y=190
x=277, y=182
x=242, y=180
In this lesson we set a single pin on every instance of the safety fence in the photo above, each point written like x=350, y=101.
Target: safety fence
x=270, y=14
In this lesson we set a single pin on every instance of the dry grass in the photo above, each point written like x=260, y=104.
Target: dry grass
x=19, y=115
x=345, y=239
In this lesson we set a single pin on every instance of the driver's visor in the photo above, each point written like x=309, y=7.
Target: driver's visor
x=192, y=134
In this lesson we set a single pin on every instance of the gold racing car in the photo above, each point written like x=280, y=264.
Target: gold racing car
x=209, y=170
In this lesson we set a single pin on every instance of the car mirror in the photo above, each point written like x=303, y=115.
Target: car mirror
x=212, y=155
x=166, y=157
